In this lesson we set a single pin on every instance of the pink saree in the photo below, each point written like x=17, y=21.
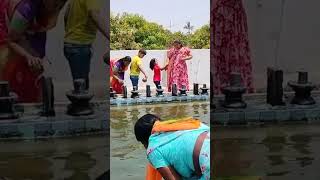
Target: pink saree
x=230, y=44
x=177, y=69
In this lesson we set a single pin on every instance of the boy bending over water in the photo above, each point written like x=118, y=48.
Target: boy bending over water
x=176, y=149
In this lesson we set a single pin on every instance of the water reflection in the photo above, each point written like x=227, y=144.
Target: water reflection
x=77, y=158
x=273, y=152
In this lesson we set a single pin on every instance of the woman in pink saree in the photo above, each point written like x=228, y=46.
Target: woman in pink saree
x=230, y=44
x=177, y=68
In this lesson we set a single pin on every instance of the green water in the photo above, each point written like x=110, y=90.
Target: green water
x=77, y=158
x=128, y=157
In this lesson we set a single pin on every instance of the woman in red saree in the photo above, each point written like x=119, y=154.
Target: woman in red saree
x=230, y=44
x=29, y=21
x=4, y=4
x=177, y=68
x=117, y=70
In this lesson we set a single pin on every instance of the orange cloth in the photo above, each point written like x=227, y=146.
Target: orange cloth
x=166, y=126
x=176, y=125
x=152, y=173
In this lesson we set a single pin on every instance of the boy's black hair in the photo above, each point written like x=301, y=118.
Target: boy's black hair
x=143, y=127
x=152, y=63
x=142, y=51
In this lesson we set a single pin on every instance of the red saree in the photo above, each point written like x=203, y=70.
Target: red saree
x=230, y=44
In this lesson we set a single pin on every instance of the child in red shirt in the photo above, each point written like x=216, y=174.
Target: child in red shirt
x=156, y=71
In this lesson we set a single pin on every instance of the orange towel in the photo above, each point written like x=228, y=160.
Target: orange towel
x=176, y=125
x=166, y=126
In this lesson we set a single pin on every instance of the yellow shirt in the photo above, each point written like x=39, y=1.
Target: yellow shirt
x=134, y=68
x=80, y=27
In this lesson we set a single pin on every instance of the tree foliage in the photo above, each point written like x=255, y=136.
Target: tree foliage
x=132, y=31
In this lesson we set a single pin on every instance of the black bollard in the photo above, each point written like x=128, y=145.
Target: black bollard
x=112, y=93
x=233, y=93
x=183, y=91
x=204, y=90
x=212, y=106
x=196, y=89
x=134, y=92
x=174, y=90
x=125, y=92
x=274, y=87
x=80, y=99
x=160, y=91
x=148, y=89
x=7, y=102
x=302, y=89
x=47, y=97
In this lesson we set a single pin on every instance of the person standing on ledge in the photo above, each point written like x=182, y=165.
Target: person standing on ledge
x=136, y=68
x=82, y=21
x=177, y=67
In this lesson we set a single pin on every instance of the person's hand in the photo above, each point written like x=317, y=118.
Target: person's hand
x=35, y=63
x=145, y=79
x=120, y=81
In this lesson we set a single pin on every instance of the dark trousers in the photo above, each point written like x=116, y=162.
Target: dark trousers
x=79, y=58
x=157, y=83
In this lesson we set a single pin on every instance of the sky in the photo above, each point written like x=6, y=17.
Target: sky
x=178, y=12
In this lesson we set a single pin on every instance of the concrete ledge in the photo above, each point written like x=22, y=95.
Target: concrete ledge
x=157, y=100
x=260, y=113
x=32, y=126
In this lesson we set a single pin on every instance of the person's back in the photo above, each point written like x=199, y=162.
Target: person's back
x=134, y=68
x=177, y=153
x=80, y=28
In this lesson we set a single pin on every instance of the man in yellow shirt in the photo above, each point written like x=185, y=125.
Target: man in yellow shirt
x=82, y=21
x=136, y=68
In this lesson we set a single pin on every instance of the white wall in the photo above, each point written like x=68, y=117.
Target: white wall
x=199, y=66
x=300, y=40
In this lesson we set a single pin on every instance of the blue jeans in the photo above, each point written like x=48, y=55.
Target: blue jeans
x=134, y=81
x=79, y=57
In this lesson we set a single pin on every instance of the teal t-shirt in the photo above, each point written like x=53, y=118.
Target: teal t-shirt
x=178, y=153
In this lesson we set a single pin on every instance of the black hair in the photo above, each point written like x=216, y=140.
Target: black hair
x=142, y=51
x=143, y=127
x=127, y=58
x=178, y=42
x=152, y=63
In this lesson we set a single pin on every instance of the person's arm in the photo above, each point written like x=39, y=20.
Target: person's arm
x=168, y=173
x=115, y=75
x=97, y=19
x=142, y=70
x=15, y=37
x=66, y=14
x=186, y=58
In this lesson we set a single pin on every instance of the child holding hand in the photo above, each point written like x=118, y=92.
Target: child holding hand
x=156, y=71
